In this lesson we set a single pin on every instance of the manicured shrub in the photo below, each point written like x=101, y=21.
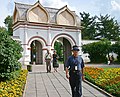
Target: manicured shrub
x=116, y=49
x=98, y=50
x=10, y=53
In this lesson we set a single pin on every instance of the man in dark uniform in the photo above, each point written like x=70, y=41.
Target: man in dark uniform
x=74, y=72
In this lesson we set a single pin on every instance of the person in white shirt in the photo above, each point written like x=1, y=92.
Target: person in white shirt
x=48, y=61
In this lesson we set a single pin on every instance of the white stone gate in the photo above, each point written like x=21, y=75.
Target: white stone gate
x=42, y=26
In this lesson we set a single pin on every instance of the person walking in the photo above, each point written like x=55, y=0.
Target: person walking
x=74, y=72
x=55, y=61
x=48, y=61
x=110, y=59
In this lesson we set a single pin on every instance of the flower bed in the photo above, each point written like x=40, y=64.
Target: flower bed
x=107, y=78
x=14, y=87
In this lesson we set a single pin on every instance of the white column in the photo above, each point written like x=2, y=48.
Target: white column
x=80, y=41
x=26, y=52
x=49, y=38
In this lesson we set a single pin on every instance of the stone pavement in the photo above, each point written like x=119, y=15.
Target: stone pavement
x=42, y=84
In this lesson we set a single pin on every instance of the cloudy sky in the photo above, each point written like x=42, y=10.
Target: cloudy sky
x=94, y=7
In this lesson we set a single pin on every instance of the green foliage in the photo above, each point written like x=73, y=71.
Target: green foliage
x=8, y=22
x=10, y=53
x=3, y=29
x=116, y=49
x=88, y=23
x=107, y=28
x=98, y=50
x=99, y=27
x=58, y=47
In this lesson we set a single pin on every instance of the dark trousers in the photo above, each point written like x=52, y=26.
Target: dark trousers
x=48, y=65
x=76, y=84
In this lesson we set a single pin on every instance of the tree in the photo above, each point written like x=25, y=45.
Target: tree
x=98, y=50
x=10, y=53
x=3, y=29
x=8, y=22
x=89, y=26
x=107, y=28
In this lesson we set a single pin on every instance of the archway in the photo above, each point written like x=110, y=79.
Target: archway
x=66, y=49
x=63, y=48
x=36, y=52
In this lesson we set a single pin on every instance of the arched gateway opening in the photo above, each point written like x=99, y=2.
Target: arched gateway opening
x=63, y=48
x=36, y=52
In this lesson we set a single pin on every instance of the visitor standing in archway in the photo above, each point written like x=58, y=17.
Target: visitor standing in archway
x=74, y=72
x=48, y=61
x=55, y=61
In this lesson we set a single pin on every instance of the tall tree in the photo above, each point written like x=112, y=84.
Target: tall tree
x=88, y=23
x=8, y=22
x=107, y=28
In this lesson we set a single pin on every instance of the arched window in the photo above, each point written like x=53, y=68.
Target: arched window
x=66, y=17
x=37, y=13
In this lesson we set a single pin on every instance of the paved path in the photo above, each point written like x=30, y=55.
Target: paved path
x=42, y=84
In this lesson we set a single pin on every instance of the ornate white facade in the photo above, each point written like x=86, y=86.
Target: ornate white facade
x=44, y=26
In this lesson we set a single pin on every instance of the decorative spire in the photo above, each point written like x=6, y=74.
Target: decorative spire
x=38, y=1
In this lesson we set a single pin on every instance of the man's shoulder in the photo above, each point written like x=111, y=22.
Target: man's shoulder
x=80, y=57
x=70, y=57
x=73, y=57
